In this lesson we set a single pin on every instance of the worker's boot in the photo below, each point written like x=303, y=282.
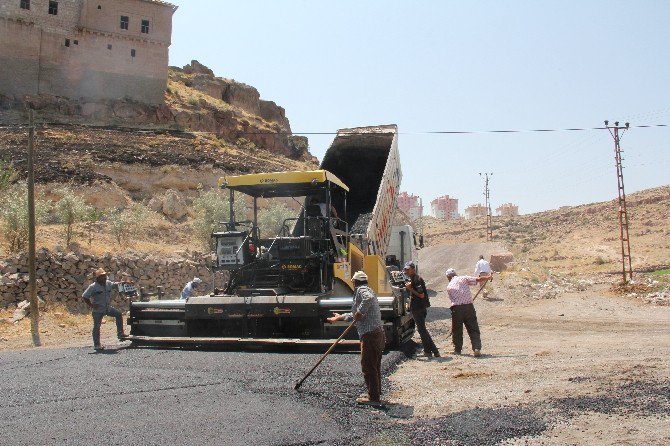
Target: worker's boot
x=477, y=353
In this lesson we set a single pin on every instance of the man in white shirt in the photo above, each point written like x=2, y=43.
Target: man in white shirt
x=483, y=268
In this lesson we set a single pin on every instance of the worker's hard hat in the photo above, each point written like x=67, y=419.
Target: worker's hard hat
x=100, y=272
x=197, y=280
x=451, y=272
x=409, y=265
x=360, y=276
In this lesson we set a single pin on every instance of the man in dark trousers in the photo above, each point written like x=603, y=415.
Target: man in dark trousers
x=98, y=297
x=463, y=310
x=365, y=311
x=418, y=305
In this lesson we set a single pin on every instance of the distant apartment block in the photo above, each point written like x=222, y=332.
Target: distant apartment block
x=445, y=208
x=410, y=205
x=508, y=210
x=85, y=49
x=475, y=211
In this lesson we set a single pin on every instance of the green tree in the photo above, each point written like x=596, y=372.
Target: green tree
x=14, y=215
x=124, y=223
x=271, y=219
x=7, y=174
x=70, y=210
x=92, y=217
x=212, y=208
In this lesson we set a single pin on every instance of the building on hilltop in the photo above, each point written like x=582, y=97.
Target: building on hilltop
x=85, y=49
x=475, y=210
x=410, y=205
x=445, y=208
x=508, y=210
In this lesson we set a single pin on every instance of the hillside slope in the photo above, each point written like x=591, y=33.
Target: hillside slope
x=581, y=238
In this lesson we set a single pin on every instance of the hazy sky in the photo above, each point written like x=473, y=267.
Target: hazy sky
x=452, y=66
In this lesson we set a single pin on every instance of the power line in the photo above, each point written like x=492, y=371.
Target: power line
x=282, y=133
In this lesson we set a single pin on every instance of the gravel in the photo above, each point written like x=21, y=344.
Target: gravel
x=360, y=226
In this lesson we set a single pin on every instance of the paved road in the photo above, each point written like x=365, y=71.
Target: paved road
x=160, y=397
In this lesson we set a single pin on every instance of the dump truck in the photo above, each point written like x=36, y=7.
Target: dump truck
x=282, y=286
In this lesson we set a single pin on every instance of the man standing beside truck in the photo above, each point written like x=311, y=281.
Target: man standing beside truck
x=418, y=305
x=98, y=297
x=365, y=311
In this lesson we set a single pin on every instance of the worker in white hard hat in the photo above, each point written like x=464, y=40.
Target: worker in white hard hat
x=190, y=287
x=365, y=311
x=463, y=310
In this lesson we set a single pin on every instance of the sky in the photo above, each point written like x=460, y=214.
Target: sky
x=460, y=66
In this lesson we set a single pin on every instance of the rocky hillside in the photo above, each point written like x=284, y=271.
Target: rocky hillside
x=208, y=126
x=581, y=238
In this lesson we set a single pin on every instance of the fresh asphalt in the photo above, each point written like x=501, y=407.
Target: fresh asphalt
x=129, y=396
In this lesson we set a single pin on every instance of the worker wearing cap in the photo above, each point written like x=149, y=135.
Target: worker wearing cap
x=463, y=310
x=190, y=287
x=418, y=305
x=365, y=311
x=483, y=268
x=98, y=297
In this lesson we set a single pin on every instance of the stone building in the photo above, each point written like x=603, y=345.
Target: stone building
x=508, y=210
x=91, y=49
x=445, y=208
x=410, y=205
x=475, y=210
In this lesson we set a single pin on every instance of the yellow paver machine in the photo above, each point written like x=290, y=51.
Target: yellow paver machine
x=282, y=286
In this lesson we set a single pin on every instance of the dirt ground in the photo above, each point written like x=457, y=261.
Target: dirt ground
x=561, y=357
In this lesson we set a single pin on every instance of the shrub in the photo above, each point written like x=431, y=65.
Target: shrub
x=271, y=219
x=71, y=209
x=7, y=174
x=129, y=221
x=14, y=216
x=212, y=208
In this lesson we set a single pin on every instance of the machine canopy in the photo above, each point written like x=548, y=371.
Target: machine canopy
x=282, y=184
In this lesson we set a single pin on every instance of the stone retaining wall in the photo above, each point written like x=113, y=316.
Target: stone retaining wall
x=62, y=277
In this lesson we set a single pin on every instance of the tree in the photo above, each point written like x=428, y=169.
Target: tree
x=213, y=208
x=129, y=221
x=271, y=219
x=70, y=210
x=14, y=216
x=7, y=174
x=92, y=217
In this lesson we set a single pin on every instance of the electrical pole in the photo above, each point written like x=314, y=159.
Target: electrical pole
x=489, y=216
x=32, y=279
x=623, y=213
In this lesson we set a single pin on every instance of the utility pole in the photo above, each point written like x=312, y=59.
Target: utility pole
x=32, y=279
x=489, y=215
x=623, y=213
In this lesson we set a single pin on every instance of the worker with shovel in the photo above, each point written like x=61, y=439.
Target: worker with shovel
x=368, y=318
x=463, y=310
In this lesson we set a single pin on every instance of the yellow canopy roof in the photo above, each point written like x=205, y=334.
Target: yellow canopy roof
x=278, y=184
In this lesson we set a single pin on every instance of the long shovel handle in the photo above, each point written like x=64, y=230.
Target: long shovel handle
x=480, y=290
x=328, y=352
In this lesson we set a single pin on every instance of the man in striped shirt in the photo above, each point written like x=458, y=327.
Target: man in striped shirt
x=463, y=310
x=367, y=314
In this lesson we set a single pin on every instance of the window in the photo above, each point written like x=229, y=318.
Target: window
x=109, y=46
x=25, y=4
x=67, y=42
x=132, y=53
x=145, y=27
x=99, y=7
x=124, y=22
x=76, y=42
x=53, y=7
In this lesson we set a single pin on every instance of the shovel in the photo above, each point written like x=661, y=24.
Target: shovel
x=328, y=352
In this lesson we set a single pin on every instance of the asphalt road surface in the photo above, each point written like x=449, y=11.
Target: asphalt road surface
x=132, y=396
